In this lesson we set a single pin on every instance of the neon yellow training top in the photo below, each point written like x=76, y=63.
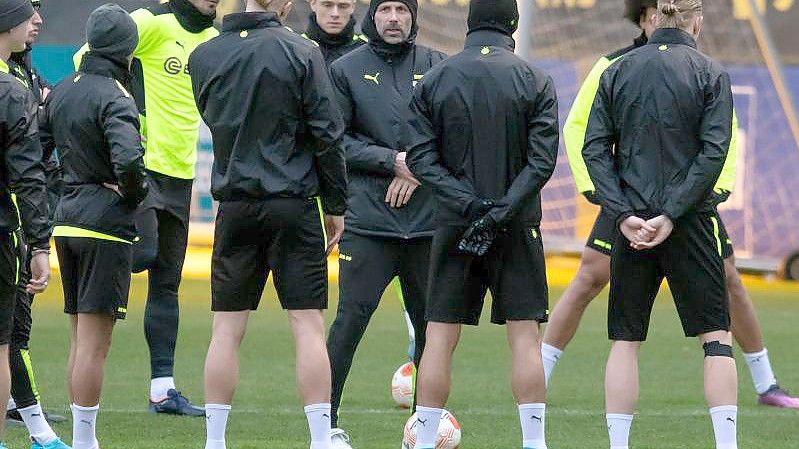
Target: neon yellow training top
x=170, y=124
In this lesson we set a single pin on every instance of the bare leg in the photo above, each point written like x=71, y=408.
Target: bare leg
x=721, y=378
x=222, y=361
x=313, y=364
x=88, y=364
x=527, y=376
x=5, y=382
x=744, y=323
x=434, y=378
x=592, y=276
x=621, y=378
x=73, y=346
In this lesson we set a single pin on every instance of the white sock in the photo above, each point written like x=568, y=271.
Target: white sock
x=532, y=419
x=37, y=425
x=84, y=424
x=760, y=369
x=160, y=386
x=550, y=356
x=619, y=430
x=215, y=425
x=725, y=426
x=11, y=404
x=319, y=424
x=427, y=419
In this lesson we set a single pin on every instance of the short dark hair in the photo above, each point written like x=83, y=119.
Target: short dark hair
x=634, y=9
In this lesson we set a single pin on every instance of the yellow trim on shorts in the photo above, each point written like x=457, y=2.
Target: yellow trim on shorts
x=322, y=219
x=73, y=231
x=716, y=234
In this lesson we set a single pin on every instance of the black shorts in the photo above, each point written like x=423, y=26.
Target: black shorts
x=95, y=274
x=723, y=242
x=9, y=272
x=169, y=194
x=253, y=237
x=514, y=270
x=690, y=261
x=605, y=232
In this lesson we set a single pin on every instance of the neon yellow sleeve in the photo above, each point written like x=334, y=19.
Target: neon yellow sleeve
x=148, y=35
x=577, y=123
x=726, y=181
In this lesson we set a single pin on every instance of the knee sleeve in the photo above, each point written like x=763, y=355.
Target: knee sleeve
x=717, y=349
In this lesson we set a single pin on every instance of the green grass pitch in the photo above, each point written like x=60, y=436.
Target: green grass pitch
x=266, y=413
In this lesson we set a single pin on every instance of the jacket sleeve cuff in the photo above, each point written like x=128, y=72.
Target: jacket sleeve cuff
x=592, y=197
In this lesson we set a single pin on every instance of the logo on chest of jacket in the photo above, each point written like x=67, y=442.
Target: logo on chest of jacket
x=374, y=78
x=174, y=66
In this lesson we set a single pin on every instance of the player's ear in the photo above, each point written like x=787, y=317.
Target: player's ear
x=285, y=11
x=698, y=20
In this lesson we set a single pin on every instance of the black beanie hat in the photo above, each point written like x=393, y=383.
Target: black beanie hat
x=634, y=8
x=500, y=15
x=111, y=31
x=14, y=12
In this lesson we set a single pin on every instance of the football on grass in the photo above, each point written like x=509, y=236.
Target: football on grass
x=449, y=432
x=402, y=385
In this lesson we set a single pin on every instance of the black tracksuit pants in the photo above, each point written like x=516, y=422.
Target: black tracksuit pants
x=367, y=267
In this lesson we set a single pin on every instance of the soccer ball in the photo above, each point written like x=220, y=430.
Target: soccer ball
x=449, y=432
x=402, y=385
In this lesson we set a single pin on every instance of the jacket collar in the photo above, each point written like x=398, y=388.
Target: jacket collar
x=190, y=17
x=102, y=65
x=250, y=21
x=316, y=33
x=672, y=36
x=490, y=38
x=640, y=41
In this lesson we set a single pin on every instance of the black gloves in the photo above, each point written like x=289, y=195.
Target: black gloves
x=481, y=234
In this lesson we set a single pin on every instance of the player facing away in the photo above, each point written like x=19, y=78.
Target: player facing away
x=390, y=216
x=93, y=121
x=484, y=137
x=331, y=24
x=168, y=33
x=594, y=272
x=24, y=407
x=662, y=122
x=280, y=178
x=22, y=176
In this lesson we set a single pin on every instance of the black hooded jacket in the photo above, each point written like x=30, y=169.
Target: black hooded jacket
x=21, y=171
x=484, y=126
x=265, y=94
x=93, y=121
x=667, y=109
x=334, y=46
x=374, y=85
x=21, y=66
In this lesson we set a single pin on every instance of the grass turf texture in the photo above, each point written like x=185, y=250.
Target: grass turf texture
x=266, y=411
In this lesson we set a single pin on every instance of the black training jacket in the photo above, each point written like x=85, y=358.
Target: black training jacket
x=265, y=94
x=334, y=46
x=94, y=122
x=667, y=109
x=21, y=170
x=374, y=86
x=484, y=126
x=21, y=67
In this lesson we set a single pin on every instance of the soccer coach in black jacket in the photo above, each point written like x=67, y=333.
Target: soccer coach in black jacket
x=484, y=137
x=667, y=109
x=389, y=219
x=280, y=177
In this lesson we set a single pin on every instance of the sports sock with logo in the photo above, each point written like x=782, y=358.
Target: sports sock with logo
x=619, y=430
x=550, y=356
x=319, y=424
x=37, y=424
x=84, y=424
x=532, y=417
x=159, y=388
x=216, y=425
x=760, y=369
x=725, y=426
x=427, y=419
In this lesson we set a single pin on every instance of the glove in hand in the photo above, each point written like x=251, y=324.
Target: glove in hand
x=477, y=240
